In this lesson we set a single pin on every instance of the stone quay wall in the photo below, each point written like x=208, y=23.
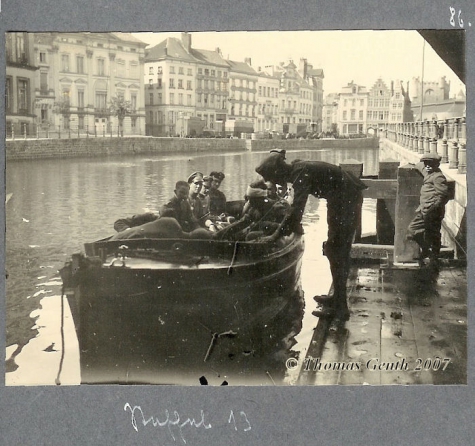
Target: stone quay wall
x=454, y=228
x=21, y=149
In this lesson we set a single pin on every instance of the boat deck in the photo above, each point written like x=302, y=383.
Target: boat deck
x=407, y=326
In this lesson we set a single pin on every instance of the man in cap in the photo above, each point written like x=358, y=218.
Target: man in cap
x=343, y=194
x=195, y=180
x=425, y=227
x=281, y=152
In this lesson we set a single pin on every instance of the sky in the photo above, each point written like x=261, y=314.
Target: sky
x=344, y=56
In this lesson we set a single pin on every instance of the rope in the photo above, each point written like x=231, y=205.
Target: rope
x=233, y=258
x=57, y=380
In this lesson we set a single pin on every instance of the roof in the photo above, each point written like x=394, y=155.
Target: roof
x=452, y=108
x=241, y=67
x=207, y=56
x=127, y=37
x=171, y=47
x=316, y=72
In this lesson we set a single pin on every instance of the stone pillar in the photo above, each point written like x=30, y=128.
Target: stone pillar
x=445, y=152
x=463, y=129
x=420, y=146
x=355, y=167
x=426, y=144
x=386, y=208
x=407, y=201
x=454, y=155
x=462, y=156
x=433, y=145
x=456, y=129
x=446, y=130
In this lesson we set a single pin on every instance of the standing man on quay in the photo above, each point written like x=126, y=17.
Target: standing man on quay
x=425, y=227
x=342, y=191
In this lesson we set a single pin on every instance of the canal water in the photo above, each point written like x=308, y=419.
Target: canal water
x=58, y=205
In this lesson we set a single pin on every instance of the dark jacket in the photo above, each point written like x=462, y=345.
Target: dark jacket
x=181, y=211
x=135, y=220
x=434, y=189
x=217, y=202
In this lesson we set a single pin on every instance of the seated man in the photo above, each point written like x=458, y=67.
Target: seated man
x=217, y=200
x=195, y=180
x=136, y=220
x=164, y=227
x=179, y=208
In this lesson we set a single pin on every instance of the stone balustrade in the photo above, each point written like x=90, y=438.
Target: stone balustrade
x=446, y=137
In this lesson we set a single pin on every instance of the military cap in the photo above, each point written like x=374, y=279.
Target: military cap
x=279, y=151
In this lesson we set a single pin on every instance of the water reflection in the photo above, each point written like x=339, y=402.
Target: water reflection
x=57, y=205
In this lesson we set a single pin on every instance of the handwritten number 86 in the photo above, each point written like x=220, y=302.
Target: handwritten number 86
x=452, y=17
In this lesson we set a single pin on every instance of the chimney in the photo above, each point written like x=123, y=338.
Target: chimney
x=218, y=50
x=248, y=60
x=303, y=67
x=392, y=88
x=186, y=41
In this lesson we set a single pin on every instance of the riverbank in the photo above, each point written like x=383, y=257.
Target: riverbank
x=21, y=149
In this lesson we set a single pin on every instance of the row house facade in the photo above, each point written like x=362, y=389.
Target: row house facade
x=182, y=83
x=267, y=116
x=330, y=112
x=20, y=84
x=352, y=109
x=379, y=99
x=78, y=76
x=242, y=108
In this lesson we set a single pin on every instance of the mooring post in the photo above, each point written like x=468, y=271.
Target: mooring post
x=407, y=201
x=386, y=208
x=355, y=167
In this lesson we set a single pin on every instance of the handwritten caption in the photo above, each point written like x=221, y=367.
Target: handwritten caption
x=176, y=425
x=456, y=18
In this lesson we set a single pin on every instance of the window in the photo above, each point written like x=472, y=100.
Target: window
x=353, y=114
x=345, y=115
x=81, y=122
x=199, y=98
x=225, y=74
x=159, y=98
x=101, y=101
x=42, y=57
x=159, y=83
x=80, y=99
x=21, y=47
x=200, y=70
x=134, y=70
x=23, y=97
x=172, y=83
x=189, y=72
x=100, y=67
x=180, y=70
x=361, y=102
x=180, y=84
x=188, y=99
x=360, y=117
x=8, y=94
x=150, y=100
x=133, y=101
x=120, y=67
x=65, y=62
x=159, y=70
x=172, y=70
x=206, y=72
x=80, y=64
x=345, y=102
x=43, y=83
x=150, y=70
x=188, y=85
x=150, y=83
x=180, y=98
x=172, y=98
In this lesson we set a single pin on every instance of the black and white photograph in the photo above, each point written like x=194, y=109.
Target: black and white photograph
x=278, y=208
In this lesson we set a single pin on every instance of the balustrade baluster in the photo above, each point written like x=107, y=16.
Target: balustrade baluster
x=453, y=155
x=462, y=157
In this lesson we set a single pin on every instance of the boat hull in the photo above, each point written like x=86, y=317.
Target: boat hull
x=230, y=316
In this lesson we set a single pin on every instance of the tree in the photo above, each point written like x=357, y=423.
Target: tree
x=121, y=108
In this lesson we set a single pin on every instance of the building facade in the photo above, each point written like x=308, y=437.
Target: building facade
x=183, y=83
x=20, y=84
x=330, y=113
x=379, y=98
x=352, y=110
x=267, y=116
x=78, y=76
x=429, y=91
